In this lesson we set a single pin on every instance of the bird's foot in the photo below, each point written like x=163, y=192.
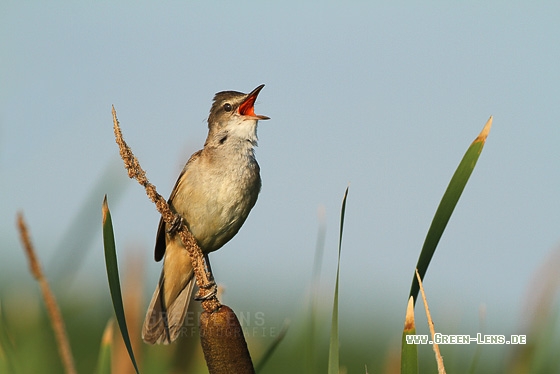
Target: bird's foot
x=207, y=292
x=175, y=225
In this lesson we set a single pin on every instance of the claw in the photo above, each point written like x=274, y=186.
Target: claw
x=207, y=293
x=176, y=225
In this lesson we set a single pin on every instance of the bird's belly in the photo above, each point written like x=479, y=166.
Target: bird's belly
x=215, y=224
x=215, y=217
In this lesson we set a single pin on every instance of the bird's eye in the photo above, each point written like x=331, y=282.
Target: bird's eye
x=227, y=107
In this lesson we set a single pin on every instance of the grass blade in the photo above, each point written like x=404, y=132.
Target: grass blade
x=7, y=351
x=310, y=352
x=104, y=359
x=409, y=352
x=334, y=343
x=447, y=205
x=270, y=350
x=113, y=277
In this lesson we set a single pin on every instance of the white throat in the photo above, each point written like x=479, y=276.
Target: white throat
x=243, y=130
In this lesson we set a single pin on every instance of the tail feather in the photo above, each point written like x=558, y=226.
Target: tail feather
x=170, y=301
x=163, y=324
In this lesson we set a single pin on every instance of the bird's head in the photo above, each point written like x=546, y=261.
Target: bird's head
x=233, y=115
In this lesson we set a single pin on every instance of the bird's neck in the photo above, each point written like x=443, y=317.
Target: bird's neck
x=240, y=137
x=230, y=146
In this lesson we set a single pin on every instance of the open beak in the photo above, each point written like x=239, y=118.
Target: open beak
x=247, y=107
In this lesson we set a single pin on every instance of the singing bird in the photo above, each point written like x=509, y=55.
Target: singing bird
x=213, y=196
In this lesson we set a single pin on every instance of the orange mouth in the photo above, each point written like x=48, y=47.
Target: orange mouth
x=247, y=108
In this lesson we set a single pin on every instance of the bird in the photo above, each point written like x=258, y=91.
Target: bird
x=213, y=196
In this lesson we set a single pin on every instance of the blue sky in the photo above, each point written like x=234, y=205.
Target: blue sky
x=386, y=98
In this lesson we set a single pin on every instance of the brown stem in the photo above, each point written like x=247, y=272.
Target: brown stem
x=439, y=358
x=204, y=280
x=50, y=302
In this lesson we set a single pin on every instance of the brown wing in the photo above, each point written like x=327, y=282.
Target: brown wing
x=160, y=236
x=160, y=241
